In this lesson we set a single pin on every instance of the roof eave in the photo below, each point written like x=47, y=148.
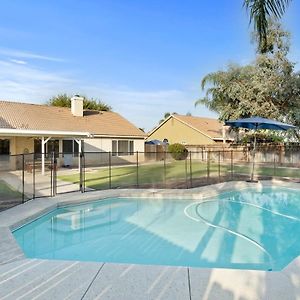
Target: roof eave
x=37, y=133
x=119, y=136
x=221, y=139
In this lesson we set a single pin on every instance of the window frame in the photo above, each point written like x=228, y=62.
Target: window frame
x=116, y=147
x=75, y=147
x=5, y=146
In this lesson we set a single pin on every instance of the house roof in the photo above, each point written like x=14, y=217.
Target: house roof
x=15, y=115
x=207, y=126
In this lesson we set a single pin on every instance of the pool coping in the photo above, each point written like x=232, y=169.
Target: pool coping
x=288, y=279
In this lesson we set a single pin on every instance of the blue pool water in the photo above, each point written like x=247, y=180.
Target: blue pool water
x=247, y=229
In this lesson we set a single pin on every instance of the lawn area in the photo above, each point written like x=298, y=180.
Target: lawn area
x=154, y=174
x=269, y=171
x=8, y=193
x=148, y=174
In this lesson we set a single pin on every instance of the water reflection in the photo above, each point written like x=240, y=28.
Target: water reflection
x=153, y=231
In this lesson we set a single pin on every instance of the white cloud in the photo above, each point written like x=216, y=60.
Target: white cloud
x=24, y=72
x=29, y=55
x=27, y=83
x=17, y=61
x=146, y=108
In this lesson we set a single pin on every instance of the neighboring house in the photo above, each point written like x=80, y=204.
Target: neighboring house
x=42, y=129
x=190, y=130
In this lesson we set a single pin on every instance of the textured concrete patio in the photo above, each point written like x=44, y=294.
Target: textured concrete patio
x=42, y=186
x=45, y=279
x=42, y=183
x=23, y=278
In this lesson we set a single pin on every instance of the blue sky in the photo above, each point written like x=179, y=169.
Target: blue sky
x=143, y=57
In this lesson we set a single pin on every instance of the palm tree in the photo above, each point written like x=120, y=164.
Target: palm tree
x=260, y=11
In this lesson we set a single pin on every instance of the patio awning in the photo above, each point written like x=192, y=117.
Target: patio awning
x=39, y=133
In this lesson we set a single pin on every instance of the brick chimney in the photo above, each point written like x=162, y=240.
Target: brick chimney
x=77, y=106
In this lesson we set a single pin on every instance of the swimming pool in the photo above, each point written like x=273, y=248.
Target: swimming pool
x=248, y=229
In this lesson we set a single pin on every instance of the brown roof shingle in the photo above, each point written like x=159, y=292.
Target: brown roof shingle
x=208, y=126
x=15, y=115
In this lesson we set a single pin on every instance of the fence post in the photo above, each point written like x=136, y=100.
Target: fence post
x=54, y=174
x=280, y=154
x=186, y=179
x=33, y=176
x=208, y=161
x=80, y=173
x=274, y=166
x=83, y=171
x=23, y=178
x=231, y=164
x=51, y=176
x=137, y=168
x=191, y=170
x=165, y=170
x=219, y=166
x=109, y=168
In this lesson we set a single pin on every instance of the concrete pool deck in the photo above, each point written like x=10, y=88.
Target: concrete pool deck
x=23, y=278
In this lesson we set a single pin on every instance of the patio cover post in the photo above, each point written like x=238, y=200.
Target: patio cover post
x=60, y=148
x=79, y=150
x=44, y=142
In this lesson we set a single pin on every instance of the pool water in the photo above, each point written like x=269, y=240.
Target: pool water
x=248, y=229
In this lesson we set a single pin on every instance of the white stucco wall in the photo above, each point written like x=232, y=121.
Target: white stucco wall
x=105, y=144
x=96, y=145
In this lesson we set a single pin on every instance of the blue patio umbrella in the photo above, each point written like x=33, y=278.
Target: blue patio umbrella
x=155, y=142
x=256, y=123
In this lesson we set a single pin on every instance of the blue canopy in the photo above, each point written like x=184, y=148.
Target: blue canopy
x=259, y=123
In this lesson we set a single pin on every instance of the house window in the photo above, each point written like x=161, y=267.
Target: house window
x=114, y=148
x=70, y=147
x=122, y=147
x=52, y=146
x=131, y=150
x=4, y=147
x=37, y=146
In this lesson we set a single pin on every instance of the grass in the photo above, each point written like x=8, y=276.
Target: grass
x=270, y=171
x=153, y=174
x=148, y=174
x=8, y=193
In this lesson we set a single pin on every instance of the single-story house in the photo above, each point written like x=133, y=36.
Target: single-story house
x=190, y=130
x=41, y=129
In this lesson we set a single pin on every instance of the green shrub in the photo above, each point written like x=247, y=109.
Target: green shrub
x=262, y=137
x=178, y=151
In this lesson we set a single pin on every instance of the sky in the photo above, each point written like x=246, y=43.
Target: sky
x=142, y=57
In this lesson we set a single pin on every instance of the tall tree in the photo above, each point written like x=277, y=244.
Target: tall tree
x=260, y=12
x=268, y=87
x=63, y=100
x=167, y=115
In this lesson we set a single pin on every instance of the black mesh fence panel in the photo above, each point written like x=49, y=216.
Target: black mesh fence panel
x=96, y=171
x=27, y=176
x=11, y=181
